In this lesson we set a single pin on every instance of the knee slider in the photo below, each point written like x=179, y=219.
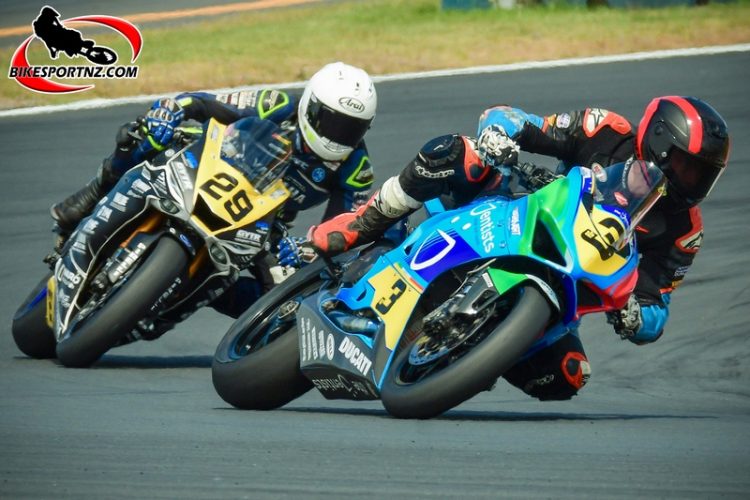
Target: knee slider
x=554, y=374
x=576, y=369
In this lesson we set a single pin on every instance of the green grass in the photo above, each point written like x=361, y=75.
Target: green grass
x=387, y=36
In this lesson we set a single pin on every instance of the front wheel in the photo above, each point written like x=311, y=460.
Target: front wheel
x=117, y=316
x=32, y=334
x=256, y=365
x=427, y=378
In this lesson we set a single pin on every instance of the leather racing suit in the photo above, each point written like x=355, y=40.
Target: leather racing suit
x=668, y=238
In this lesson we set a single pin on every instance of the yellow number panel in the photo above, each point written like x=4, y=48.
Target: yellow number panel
x=595, y=238
x=226, y=191
x=394, y=300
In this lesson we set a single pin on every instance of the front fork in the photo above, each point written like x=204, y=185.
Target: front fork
x=482, y=288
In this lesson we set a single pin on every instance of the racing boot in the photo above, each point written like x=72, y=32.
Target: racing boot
x=69, y=212
x=365, y=225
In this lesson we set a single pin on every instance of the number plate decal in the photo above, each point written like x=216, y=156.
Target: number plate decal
x=394, y=300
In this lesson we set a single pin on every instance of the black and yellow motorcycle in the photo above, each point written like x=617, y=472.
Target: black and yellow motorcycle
x=171, y=236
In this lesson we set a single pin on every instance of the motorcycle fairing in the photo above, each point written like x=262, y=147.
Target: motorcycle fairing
x=226, y=193
x=339, y=364
x=120, y=207
x=489, y=229
x=159, y=186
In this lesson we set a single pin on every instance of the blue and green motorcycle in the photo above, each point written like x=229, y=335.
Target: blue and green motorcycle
x=431, y=322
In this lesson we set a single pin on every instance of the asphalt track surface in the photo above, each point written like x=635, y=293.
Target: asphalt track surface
x=669, y=420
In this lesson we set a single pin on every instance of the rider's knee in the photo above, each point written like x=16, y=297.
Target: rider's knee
x=557, y=372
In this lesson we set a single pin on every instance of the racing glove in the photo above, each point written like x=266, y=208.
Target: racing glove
x=628, y=320
x=495, y=148
x=161, y=120
x=295, y=252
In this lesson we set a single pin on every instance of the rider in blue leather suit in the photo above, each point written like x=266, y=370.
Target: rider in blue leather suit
x=331, y=162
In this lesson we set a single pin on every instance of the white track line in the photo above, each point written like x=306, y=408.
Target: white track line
x=579, y=61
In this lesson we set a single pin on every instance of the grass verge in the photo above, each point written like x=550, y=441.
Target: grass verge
x=384, y=36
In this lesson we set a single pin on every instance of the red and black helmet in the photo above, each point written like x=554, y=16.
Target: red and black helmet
x=688, y=140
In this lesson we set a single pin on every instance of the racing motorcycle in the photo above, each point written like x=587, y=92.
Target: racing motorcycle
x=172, y=235
x=469, y=293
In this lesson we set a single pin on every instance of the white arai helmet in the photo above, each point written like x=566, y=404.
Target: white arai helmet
x=336, y=109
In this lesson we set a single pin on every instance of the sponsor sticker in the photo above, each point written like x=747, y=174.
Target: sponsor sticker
x=316, y=344
x=352, y=104
x=692, y=242
x=515, y=223
x=621, y=199
x=681, y=271
x=318, y=174
x=440, y=174
x=355, y=356
x=341, y=384
x=599, y=172
x=120, y=201
x=563, y=120
x=192, y=162
x=486, y=224
x=140, y=186
x=248, y=237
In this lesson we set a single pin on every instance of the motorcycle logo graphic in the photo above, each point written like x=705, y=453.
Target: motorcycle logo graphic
x=58, y=38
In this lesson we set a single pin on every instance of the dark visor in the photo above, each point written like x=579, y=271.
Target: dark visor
x=335, y=126
x=693, y=177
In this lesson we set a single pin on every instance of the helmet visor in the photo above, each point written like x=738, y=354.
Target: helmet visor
x=692, y=176
x=334, y=125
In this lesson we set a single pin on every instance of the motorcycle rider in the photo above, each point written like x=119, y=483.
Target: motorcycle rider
x=330, y=160
x=684, y=136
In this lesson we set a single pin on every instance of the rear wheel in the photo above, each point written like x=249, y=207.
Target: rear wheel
x=30, y=330
x=437, y=371
x=118, y=314
x=256, y=365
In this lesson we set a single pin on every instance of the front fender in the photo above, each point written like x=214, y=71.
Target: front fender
x=505, y=280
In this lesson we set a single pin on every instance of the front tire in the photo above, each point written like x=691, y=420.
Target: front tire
x=104, y=328
x=30, y=330
x=411, y=391
x=256, y=365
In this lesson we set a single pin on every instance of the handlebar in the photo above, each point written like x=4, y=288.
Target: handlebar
x=180, y=137
x=533, y=176
x=334, y=269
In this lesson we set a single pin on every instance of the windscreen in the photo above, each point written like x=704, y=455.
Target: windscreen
x=259, y=149
x=628, y=190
